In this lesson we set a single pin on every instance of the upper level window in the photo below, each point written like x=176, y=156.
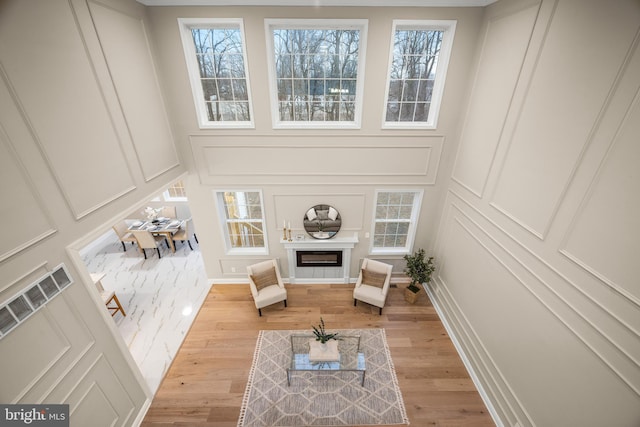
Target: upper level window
x=419, y=58
x=316, y=72
x=242, y=215
x=216, y=60
x=175, y=193
x=395, y=222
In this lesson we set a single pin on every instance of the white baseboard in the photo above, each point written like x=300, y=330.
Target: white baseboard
x=465, y=360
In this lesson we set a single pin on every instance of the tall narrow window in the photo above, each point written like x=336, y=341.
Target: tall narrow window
x=396, y=216
x=216, y=60
x=316, y=72
x=418, y=65
x=242, y=216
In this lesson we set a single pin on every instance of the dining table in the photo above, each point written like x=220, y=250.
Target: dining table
x=161, y=226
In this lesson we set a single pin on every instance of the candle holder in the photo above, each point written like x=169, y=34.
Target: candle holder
x=290, y=239
x=284, y=233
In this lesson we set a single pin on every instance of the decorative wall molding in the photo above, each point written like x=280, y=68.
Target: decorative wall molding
x=79, y=397
x=628, y=120
x=582, y=141
x=483, y=370
x=76, y=201
x=321, y=159
x=43, y=227
x=146, y=138
x=478, y=99
x=615, y=359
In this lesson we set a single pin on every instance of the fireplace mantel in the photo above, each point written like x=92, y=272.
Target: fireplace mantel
x=345, y=244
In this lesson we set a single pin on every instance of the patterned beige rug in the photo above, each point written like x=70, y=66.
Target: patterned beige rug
x=321, y=398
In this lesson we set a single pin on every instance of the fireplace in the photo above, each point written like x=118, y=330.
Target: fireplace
x=319, y=258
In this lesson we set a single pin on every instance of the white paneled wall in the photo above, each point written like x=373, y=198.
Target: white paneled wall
x=124, y=40
x=539, y=232
x=83, y=137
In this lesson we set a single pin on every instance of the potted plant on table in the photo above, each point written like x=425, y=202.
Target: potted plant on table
x=419, y=269
x=325, y=345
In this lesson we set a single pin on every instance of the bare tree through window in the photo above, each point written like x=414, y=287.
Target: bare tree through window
x=418, y=63
x=316, y=73
x=222, y=73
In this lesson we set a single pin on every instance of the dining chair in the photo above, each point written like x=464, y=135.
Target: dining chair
x=146, y=240
x=168, y=212
x=183, y=233
x=122, y=230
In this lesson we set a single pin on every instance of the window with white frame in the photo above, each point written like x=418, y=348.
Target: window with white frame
x=316, y=72
x=242, y=216
x=216, y=60
x=175, y=193
x=395, y=221
x=418, y=63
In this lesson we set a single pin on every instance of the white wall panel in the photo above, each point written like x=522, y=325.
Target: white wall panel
x=46, y=63
x=605, y=238
x=48, y=342
x=564, y=99
x=94, y=407
x=123, y=40
x=16, y=186
x=327, y=159
x=100, y=398
x=544, y=356
x=505, y=43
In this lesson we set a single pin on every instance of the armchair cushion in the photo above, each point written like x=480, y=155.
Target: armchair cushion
x=265, y=278
x=373, y=278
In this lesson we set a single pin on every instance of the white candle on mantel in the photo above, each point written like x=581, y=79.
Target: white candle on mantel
x=284, y=224
x=289, y=227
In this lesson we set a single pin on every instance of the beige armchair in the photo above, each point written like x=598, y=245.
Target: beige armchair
x=146, y=240
x=266, y=284
x=373, y=283
x=122, y=230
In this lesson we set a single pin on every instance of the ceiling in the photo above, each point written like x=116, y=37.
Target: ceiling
x=316, y=3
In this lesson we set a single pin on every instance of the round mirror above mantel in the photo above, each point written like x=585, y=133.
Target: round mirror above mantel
x=322, y=221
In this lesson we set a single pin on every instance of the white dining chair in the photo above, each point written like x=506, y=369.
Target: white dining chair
x=146, y=240
x=122, y=230
x=168, y=212
x=183, y=233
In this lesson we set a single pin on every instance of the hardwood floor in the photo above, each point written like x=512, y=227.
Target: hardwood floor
x=206, y=382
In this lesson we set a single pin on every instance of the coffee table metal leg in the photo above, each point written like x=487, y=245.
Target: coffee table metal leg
x=363, y=374
x=288, y=377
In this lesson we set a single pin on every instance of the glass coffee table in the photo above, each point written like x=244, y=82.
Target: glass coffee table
x=351, y=358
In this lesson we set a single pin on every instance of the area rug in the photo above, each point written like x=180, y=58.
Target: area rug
x=321, y=398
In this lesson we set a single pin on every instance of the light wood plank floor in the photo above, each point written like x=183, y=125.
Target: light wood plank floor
x=206, y=382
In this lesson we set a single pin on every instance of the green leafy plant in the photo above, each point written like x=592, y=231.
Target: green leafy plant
x=322, y=335
x=419, y=269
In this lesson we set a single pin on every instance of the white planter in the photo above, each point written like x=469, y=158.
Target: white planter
x=327, y=352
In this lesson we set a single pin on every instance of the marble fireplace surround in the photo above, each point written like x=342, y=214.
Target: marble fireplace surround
x=345, y=244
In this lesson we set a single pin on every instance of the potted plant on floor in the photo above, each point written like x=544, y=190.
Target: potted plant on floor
x=419, y=269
